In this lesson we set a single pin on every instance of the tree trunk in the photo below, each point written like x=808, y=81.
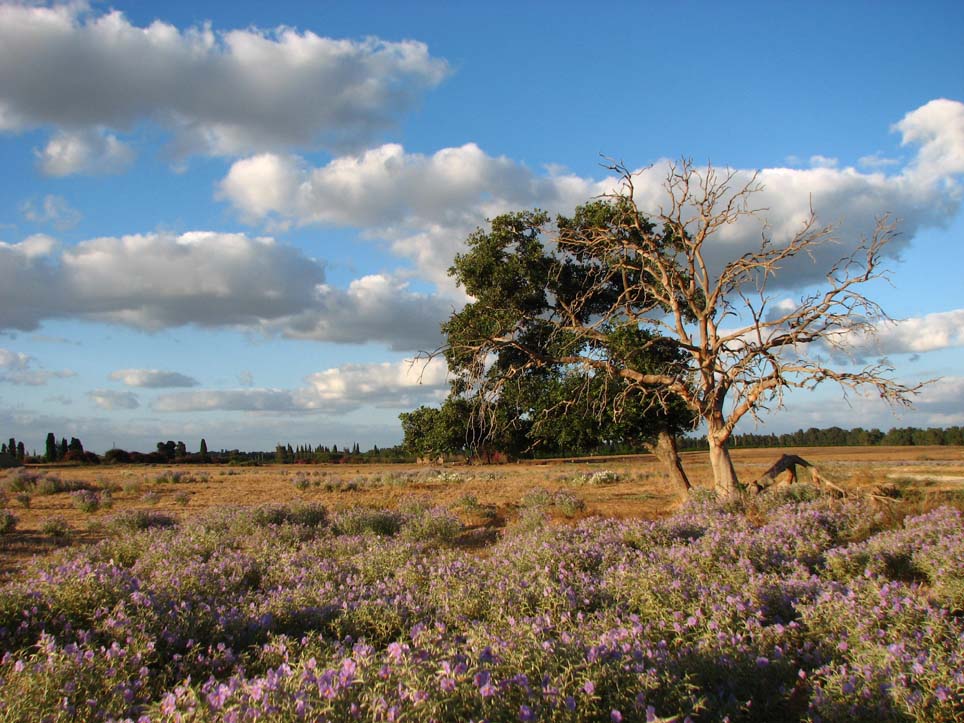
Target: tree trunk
x=725, y=481
x=667, y=453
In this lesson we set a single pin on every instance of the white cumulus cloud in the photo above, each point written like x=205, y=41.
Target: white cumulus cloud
x=161, y=280
x=425, y=205
x=151, y=281
x=219, y=92
x=92, y=152
x=915, y=335
x=375, y=307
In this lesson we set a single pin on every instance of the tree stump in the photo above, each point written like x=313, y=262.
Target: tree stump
x=788, y=463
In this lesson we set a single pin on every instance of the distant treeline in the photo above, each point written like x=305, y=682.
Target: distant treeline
x=838, y=437
x=15, y=452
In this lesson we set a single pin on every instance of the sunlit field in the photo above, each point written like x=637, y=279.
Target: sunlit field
x=485, y=497
x=564, y=591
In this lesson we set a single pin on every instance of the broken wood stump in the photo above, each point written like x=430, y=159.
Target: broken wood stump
x=788, y=463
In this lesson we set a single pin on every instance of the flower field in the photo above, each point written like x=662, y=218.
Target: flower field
x=790, y=607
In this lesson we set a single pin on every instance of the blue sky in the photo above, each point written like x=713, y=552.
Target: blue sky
x=233, y=220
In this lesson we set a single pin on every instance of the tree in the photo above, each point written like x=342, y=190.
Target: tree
x=430, y=432
x=50, y=454
x=600, y=295
x=520, y=349
x=180, y=450
x=167, y=449
x=203, y=451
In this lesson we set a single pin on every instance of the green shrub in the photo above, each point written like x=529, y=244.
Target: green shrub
x=360, y=521
x=137, y=520
x=56, y=528
x=307, y=514
x=8, y=522
x=301, y=482
x=438, y=525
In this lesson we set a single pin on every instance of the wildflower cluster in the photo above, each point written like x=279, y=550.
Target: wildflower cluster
x=540, y=500
x=798, y=611
x=91, y=500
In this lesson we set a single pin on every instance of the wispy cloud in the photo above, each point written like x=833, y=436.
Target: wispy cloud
x=113, y=400
x=153, y=378
x=24, y=370
x=51, y=210
x=399, y=385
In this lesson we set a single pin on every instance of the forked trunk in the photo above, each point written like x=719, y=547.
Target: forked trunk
x=667, y=453
x=725, y=481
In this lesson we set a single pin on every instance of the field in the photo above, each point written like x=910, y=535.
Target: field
x=934, y=473
x=566, y=591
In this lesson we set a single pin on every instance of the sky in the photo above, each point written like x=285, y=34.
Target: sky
x=235, y=220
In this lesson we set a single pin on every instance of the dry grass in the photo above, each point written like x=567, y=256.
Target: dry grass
x=485, y=496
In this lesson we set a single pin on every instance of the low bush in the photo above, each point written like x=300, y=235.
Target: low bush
x=361, y=521
x=56, y=528
x=8, y=522
x=138, y=520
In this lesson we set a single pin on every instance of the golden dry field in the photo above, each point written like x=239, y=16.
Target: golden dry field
x=486, y=497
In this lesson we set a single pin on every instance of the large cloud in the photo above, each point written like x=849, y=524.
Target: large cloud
x=426, y=205
x=916, y=335
x=375, y=307
x=151, y=281
x=155, y=281
x=398, y=385
x=220, y=92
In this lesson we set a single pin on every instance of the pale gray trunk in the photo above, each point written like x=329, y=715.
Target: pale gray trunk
x=725, y=481
x=666, y=451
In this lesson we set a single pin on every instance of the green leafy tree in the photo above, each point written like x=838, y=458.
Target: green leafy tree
x=203, y=451
x=432, y=432
x=529, y=351
x=50, y=454
x=167, y=449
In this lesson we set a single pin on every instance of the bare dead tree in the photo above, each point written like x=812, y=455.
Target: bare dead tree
x=743, y=351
